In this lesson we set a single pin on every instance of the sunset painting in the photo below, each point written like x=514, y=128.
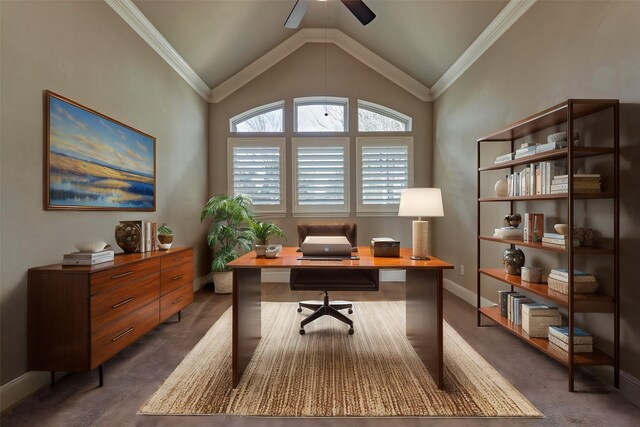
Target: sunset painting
x=95, y=162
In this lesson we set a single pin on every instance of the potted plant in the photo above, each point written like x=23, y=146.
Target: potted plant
x=165, y=236
x=261, y=233
x=228, y=234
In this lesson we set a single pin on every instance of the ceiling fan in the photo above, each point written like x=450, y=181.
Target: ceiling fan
x=357, y=7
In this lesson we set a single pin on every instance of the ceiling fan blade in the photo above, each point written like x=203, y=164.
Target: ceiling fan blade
x=297, y=13
x=360, y=10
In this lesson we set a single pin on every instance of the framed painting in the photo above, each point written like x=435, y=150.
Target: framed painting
x=93, y=162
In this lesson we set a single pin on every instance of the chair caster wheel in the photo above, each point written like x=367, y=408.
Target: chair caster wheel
x=351, y=331
x=350, y=311
x=299, y=310
x=301, y=331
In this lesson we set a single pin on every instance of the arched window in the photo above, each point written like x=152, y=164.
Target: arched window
x=378, y=118
x=267, y=118
x=321, y=114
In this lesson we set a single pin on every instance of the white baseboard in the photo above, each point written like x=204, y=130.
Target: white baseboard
x=281, y=275
x=465, y=294
x=22, y=387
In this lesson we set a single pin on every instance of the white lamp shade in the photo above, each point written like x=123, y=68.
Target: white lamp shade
x=421, y=202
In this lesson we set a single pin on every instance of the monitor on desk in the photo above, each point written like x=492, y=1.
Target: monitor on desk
x=329, y=246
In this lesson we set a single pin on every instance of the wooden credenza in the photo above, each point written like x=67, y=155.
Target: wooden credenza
x=81, y=316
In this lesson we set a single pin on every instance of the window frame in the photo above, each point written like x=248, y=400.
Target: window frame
x=362, y=141
x=258, y=210
x=257, y=111
x=384, y=111
x=320, y=210
x=320, y=100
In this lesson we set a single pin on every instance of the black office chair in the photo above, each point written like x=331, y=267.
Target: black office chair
x=327, y=279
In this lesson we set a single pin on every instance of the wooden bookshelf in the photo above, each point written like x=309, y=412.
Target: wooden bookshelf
x=584, y=303
x=563, y=114
x=548, y=247
x=596, y=358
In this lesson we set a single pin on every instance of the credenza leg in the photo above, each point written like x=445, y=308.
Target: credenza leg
x=53, y=378
x=100, y=376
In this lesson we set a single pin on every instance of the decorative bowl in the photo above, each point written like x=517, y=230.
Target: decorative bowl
x=94, y=246
x=562, y=229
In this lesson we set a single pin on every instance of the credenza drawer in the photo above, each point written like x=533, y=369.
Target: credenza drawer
x=110, y=340
x=108, y=306
x=106, y=280
x=175, y=301
x=173, y=260
x=175, y=277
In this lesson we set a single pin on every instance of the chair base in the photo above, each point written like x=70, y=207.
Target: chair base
x=325, y=308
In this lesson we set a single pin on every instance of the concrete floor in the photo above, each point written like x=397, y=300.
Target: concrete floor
x=134, y=374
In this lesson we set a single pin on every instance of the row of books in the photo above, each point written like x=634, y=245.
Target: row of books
x=582, y=183
x=535, y=179
x=88, y=258
x=511, y=305
x=583, y=282
x=533, y=227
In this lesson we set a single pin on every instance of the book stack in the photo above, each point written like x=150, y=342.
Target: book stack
x=582, y=183
x=536, y=319
x=550, y=146
x=583, y=283
x=504, y=158
x=534, y=179
x=559, y=240
x=582, y=340
x=533, y=227
x=508, y=233
x=88, y=258
x=525, y=150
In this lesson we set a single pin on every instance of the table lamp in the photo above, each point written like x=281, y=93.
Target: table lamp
x=420, y=202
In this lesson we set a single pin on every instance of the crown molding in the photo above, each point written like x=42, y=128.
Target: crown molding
x=319, y=35
x=500, y=24
x=149, y=33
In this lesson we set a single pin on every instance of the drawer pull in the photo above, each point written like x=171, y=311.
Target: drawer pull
x=121, y=303
x=178, y=258
x=179, y=276
x=177, y=301
x=117, y=276
x=127, y=332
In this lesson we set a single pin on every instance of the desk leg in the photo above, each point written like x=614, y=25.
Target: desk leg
x=424, y=319
x=246, y=319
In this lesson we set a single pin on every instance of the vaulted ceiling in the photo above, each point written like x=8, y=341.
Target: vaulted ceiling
x=218, y=38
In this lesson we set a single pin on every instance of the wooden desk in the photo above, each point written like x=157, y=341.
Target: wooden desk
x=423, y=296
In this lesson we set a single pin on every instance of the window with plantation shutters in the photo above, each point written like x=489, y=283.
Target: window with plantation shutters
x=384, y=169
x=256, y=167
x=321, y=176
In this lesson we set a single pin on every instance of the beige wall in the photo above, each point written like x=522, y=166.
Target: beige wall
x=557, y=50
x=302, y=74
x=86, y=52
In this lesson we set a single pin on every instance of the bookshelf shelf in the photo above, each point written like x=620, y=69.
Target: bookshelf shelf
x=550, y=248
x=596, y=358
x=584, y=303
x=558, y=196
x=550, y=155
x=562, y=205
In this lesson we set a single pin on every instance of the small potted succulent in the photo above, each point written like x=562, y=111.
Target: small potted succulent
x=165, y=236
x=261, y=233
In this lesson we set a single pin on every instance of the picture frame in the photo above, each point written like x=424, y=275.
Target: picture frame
x=94, y=162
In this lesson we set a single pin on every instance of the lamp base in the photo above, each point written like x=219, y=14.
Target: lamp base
x=420, y=237
x=419, y=258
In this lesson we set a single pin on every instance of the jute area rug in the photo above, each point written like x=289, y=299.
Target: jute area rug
x=328, y=373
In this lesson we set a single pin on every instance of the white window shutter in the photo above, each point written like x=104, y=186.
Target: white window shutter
x=256, y=173
x=321, y=175
x=385, y=171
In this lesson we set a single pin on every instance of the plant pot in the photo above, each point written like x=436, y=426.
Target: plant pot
x=165, y=241
x=223, y=282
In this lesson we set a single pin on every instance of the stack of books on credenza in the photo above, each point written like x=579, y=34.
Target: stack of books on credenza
x=583, y=283
x=582, y=183
x=582, y=340
x=88, y=258
x=558, y=240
